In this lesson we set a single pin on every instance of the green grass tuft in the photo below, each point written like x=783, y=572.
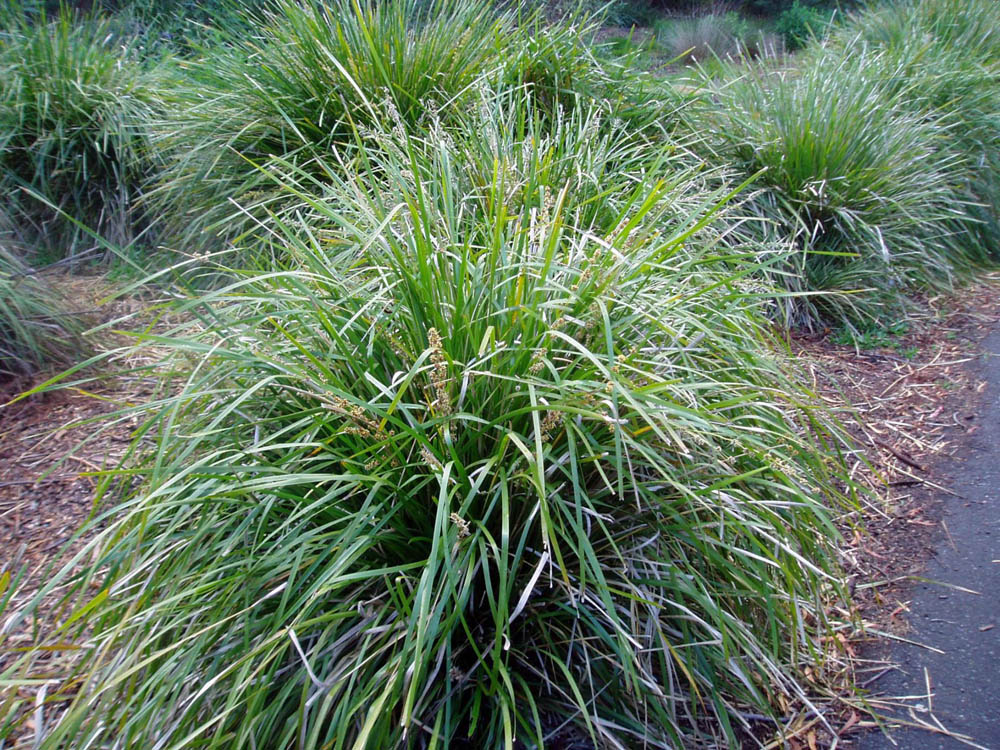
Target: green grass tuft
x=309, y=82
x=484, y=462
x=723, y=36
x=868, y=194
x=74, y=107
x=940, y=58
x=36, y=331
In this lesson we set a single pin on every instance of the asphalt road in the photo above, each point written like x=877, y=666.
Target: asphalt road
x=964, y=627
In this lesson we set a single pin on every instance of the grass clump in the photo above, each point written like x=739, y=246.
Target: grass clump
x=969, y=25
x=866, y=192
x=509, y=137
x=555, y=66
x=940, y=59
x=35, y=329
x=74, y=106
x=308, y=82
x=314, y=83
x=724, y=36
x=466, y=476
x=874, y=159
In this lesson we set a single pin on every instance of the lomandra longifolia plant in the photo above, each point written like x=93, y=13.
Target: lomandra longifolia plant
x=478, y=469
x=76, y=103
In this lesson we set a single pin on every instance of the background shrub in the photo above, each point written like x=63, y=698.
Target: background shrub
x=555, y=66
x=312, y=85
x=798, y=23
x=774, y=8
x=939, y=59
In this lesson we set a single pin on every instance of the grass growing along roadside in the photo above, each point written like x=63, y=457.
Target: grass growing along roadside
x=868, y=193
x=940, y=57
x=493, y=444
x=464, y=473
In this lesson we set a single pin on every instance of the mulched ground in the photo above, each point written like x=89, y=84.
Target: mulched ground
x=913, y=401
x=53, y=443
x=53, y=447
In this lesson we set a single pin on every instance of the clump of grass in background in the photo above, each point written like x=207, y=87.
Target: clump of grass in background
x=939, y=57
x=481, y=465
x=305, y=84
x=74, y=106
x=36, y=330
x=970, y=25
x=866, y=193
x=312, y=82
x=726, y=36
x=509, y=136
x=182, y=27
x=555, y=64
x=876, y=159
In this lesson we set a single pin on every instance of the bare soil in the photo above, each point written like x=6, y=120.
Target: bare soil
x=911, y=404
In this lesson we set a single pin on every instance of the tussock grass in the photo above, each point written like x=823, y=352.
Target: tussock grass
x=970, y=25
x=481, y=438
x=313, y=83
x=873, y=160
x=482, y=463
x=74, y=107
x=309, y=79
x=723, y=36
x=35, y=329
x=867, y=192
x=940, y=57
x=588, y=151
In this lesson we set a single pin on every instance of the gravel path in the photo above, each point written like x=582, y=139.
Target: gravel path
x=959, y=631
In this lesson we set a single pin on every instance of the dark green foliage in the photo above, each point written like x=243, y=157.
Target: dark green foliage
x=871, y=335
x=799, y=23
x=775, y=8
